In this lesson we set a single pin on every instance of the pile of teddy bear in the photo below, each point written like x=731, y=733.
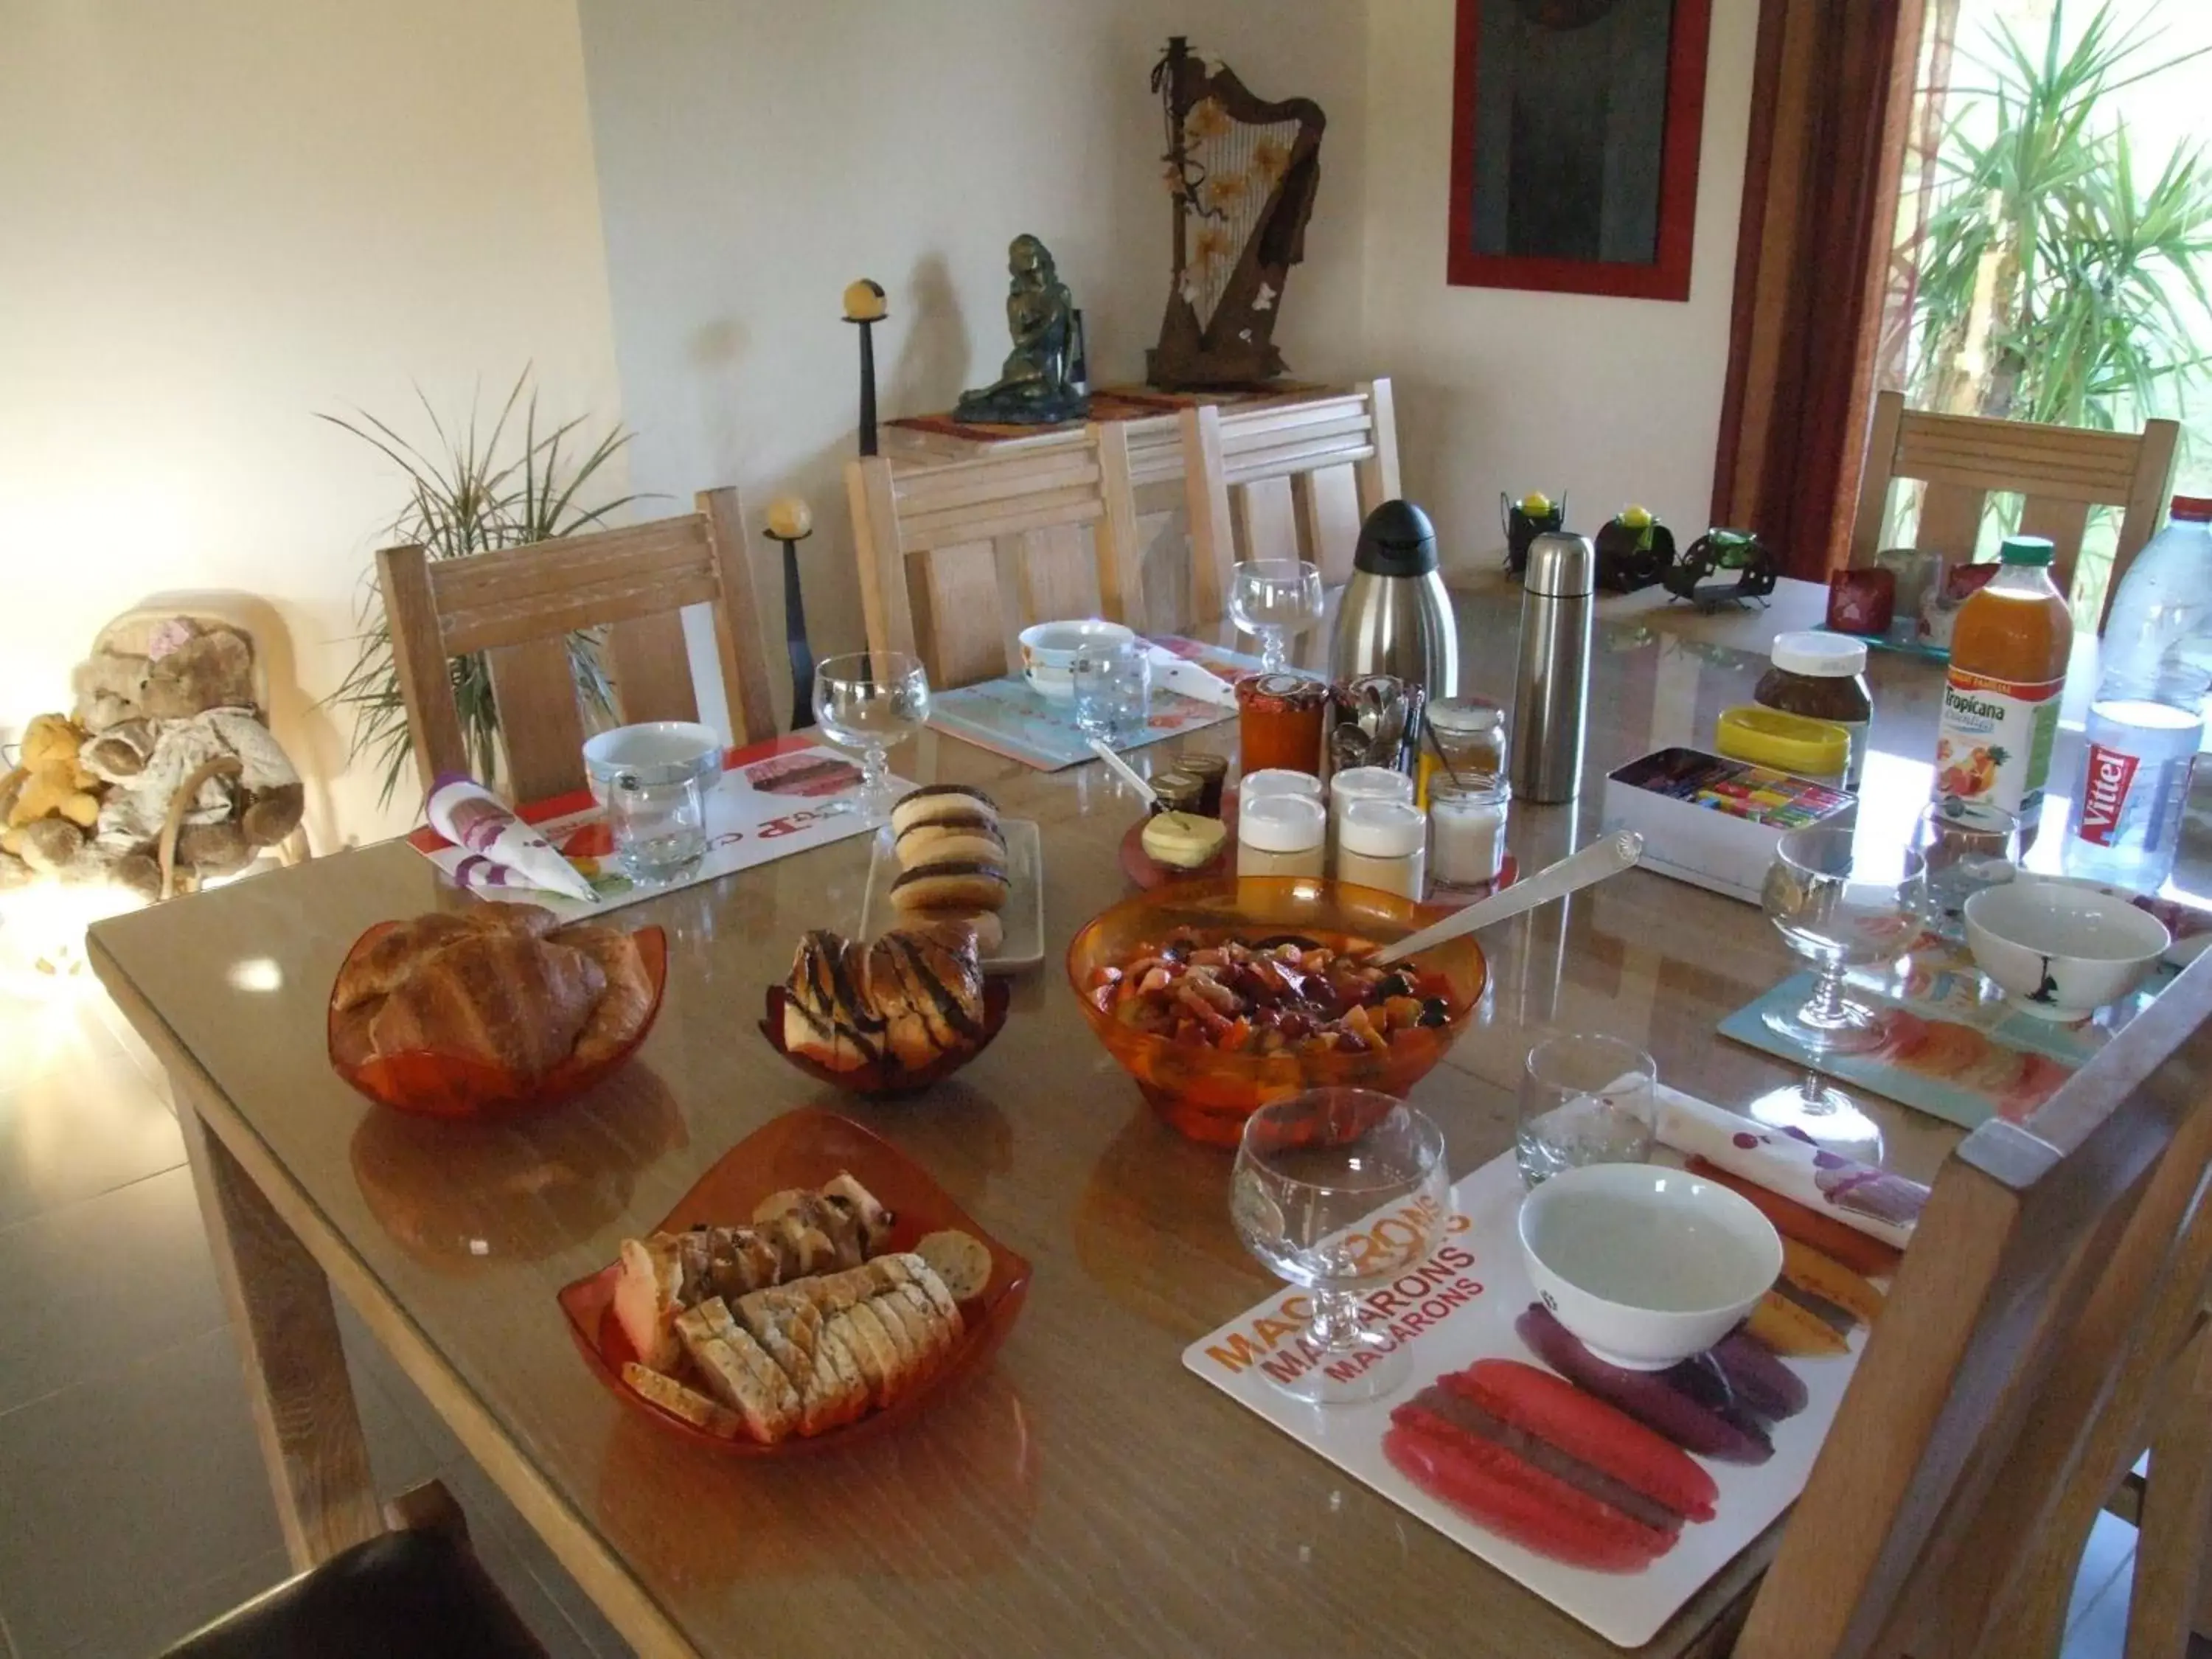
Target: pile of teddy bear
x=92, y=791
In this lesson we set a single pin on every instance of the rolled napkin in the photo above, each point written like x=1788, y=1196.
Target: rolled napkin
x=1873, y=1201
x=467, y=814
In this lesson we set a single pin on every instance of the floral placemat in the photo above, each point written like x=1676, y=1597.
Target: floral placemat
x=1952, y=1045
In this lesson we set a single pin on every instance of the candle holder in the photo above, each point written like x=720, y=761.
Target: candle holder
x=864, y=309
x=791, y=521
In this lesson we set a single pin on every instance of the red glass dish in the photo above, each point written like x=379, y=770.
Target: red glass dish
x=1207, y=1093
x=1862, y=601
x=887, y=1079
x=804, y=1149
x=437, y=1084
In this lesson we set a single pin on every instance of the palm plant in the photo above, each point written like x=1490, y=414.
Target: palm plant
x=2049, y=282
x=474, y=490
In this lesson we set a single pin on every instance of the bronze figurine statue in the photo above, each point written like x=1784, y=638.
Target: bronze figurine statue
x=1038, y=384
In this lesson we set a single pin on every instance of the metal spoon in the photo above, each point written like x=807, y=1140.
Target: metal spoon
x=1607, y=856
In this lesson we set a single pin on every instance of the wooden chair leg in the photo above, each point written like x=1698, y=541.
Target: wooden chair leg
x=2172, y=1591
x=427, y=1508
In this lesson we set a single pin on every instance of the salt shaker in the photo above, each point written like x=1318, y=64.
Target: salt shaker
x=1551, y=687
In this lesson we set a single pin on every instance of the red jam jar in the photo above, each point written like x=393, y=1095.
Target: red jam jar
x=1279, y=721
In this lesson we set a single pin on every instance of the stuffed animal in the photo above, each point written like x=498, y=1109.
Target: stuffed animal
x=50, y=785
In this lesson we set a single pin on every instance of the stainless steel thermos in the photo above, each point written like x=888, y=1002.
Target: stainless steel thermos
x=1395, y=618
x=1551, y=686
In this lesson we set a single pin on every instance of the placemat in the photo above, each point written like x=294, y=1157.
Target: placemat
x=774, y=799
x=1460, y=1307
x=1953, y=1047
x=1007, y=717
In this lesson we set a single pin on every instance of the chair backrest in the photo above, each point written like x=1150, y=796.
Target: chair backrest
x=2051, y=1303
x=2062, y=470
x=519, y=606
x=957, y=558
x=1266, y=481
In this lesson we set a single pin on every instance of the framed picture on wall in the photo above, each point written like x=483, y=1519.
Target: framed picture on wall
x=1575, y=132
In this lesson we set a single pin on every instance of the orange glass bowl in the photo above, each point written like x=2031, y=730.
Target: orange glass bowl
x=1207, y=1093
x=436, y=1085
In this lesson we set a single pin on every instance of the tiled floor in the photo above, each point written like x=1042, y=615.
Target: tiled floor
x=133, y=1506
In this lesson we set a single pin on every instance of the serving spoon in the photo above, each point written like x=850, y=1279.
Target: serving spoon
x=1608, y=855
x=1124, y=771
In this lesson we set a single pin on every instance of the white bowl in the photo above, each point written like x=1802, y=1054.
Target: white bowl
x=657, y=751
x=1646, y=1264
x=1049, y=651
x=2062, y=948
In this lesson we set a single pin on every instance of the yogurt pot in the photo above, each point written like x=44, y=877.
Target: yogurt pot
x=1048, y=650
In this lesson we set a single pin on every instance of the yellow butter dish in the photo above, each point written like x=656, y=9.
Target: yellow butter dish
x=1789, y=743
x=1183, y=841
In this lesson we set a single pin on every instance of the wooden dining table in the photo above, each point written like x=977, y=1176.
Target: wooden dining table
x=1084, y=1494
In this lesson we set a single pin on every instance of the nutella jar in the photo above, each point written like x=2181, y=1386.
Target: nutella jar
x=1822, y=677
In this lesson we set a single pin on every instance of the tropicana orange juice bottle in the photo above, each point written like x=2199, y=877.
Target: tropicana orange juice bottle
x=2009, y=654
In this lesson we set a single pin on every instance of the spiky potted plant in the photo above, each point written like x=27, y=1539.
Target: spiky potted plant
x=473, y=490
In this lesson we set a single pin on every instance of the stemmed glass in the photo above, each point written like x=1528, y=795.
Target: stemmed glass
x=1341, y=1191
x=872, y=700
x=1840, y=900
x=1275, y=599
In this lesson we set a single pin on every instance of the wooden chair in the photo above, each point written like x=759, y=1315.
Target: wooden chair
x=519, y=606
x=2063, y=471
x=2048, y=1324
x=957, y=558
x=1271, y=480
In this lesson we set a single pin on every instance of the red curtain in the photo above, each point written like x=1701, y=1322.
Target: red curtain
x=1832, y=100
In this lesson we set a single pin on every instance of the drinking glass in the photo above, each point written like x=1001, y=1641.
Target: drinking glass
x=1967, y=846
x=872, y=700
x=1584, y=1099
x=1341, y=1191
x=658, y=821
x=1275, y=599
x=1113, y=688
x=1840, y=900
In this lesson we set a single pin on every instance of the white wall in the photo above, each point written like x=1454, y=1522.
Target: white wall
x=756, y=155
x=1611, y=400
x=219, y=216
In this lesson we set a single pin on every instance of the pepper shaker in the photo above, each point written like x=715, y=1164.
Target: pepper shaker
x=1551, y=686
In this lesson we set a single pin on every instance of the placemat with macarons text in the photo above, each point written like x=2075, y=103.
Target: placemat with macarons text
x=1740, y=1428
x=773, y=799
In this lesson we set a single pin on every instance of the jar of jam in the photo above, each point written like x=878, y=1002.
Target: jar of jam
x=1212, y=773
x=1180, y=791
x=1822, y=677
x=1278, y=719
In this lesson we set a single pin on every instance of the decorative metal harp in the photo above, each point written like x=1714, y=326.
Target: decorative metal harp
x=1243, y=174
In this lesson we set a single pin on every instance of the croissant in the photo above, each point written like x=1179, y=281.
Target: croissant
x=378, y=970
x=622, y=1011
x=496, y=995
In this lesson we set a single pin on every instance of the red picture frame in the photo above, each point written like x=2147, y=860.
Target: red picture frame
x=1666, y=277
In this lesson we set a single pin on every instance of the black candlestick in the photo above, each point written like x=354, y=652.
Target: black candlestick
x=791, y=521
x=864, y=309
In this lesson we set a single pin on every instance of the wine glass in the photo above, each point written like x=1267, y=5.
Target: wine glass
x=1341, y=1191
x=1840, y=900
x=872, y=700
x=1275, y=599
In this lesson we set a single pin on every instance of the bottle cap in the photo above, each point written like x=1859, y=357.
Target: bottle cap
x=2194, y=509
x=1822, y=656
x=2025, y=549
x=1397, y=539
x=1282, y=824
x=1277, y=780
x=1465, y=716
x=1369, y=783
x=1560, y=566
x=1381, y=829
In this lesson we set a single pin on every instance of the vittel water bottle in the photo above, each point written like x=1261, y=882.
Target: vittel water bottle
x=2147, y=718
